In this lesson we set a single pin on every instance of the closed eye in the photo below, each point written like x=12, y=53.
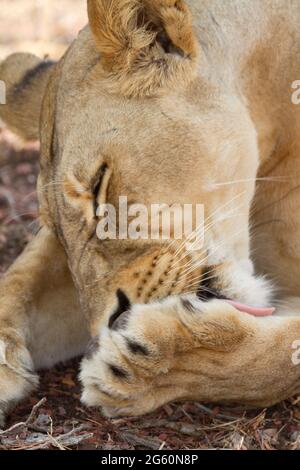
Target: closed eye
x=100, y=186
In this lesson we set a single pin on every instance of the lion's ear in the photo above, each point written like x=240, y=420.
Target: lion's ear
x=145, y=45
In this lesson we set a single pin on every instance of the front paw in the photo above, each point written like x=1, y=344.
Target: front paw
x=16, y=377
x=153, y=354
x=132, y=352
x=118, y=375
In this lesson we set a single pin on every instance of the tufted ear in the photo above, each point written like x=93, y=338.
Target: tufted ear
x=145, y=45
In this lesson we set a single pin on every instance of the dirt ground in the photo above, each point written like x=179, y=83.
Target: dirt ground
x=53, y=417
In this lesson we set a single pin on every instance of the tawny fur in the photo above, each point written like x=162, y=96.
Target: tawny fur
x=179, y=104
x=24, y=95
x=126, y=33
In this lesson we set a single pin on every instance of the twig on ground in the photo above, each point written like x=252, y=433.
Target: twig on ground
x=210, y=412
x=147, y=442
x=28, y=421
x=40, y=441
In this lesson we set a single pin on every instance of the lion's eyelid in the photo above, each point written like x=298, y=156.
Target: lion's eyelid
x=101, y=187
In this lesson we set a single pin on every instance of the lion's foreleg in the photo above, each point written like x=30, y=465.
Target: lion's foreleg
x=40, y=318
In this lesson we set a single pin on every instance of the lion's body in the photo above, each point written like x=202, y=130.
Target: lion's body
x=201, y=115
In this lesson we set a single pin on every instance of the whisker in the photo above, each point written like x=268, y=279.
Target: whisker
x=196, y=281
x=250, y=180
x=191, y=262
x=17, y=217
x=196, y=285
x=213, y=213
x=196, y=266
x=212, y=223
x=198, y=277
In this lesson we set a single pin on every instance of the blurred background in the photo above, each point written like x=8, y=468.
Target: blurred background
x=45, y=28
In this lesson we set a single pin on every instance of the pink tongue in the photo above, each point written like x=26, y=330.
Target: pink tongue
x=257, y=312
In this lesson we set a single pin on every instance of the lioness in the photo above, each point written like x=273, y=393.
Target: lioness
x=162, y=101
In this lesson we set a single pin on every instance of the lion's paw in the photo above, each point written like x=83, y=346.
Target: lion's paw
x=16, y=377
x=136, y=365
x=132, y=353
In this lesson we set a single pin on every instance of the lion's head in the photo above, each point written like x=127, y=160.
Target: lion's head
x=134, y=109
